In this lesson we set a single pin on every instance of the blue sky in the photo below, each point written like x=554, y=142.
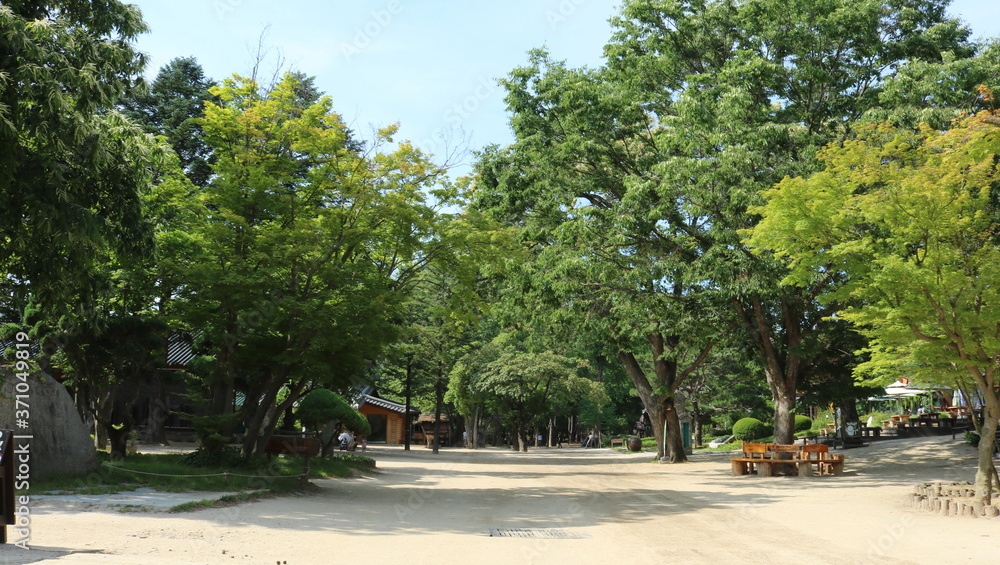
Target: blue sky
x=431, y=65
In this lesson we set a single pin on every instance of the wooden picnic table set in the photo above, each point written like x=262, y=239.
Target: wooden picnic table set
x=767, y=459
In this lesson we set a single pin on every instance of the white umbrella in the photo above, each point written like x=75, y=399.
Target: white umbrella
x=900, y=389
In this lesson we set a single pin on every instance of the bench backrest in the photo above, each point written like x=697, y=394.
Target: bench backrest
x=755, y=450
x=783, y=451
x=815, y=451
x=277, y=445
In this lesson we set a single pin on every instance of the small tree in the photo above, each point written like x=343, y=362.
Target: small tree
x=322, y=406
x=324, y=411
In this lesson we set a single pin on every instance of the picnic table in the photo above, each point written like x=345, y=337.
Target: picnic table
x=768, y=458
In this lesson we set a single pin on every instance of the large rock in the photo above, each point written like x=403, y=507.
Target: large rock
x=61, y=443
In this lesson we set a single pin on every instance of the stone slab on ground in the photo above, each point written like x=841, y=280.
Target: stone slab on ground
x=140, y=497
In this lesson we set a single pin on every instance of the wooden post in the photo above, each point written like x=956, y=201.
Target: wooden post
x=407, y=425
x=6, y=482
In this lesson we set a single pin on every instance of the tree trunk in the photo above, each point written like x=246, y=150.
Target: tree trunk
x=223, y=394
x=987, y=445
x=409, y=424
x=696, y=422
x=520, y=444
x=985, y=379
x=675, y=436
x=267, y=425
x=119, y=441
x=288, y=420
x=438, y=401
x=659, y=407
x=100, y=435
x=256, y=408
x=781, y=362
x=474, y=429
x=784, y=417
x=159, y=411
x=652, y=403
x=656, y=420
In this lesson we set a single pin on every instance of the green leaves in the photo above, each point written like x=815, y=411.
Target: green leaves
x=911, y=220
x=71, y=169
x=321, y=406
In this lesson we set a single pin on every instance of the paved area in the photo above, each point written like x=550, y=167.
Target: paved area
x=608, y=507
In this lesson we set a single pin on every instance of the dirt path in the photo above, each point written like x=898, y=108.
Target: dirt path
x=422, y=508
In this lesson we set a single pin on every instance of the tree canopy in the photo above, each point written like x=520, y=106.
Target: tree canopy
x=634, y=180
x=71, y=168
x=910, y=218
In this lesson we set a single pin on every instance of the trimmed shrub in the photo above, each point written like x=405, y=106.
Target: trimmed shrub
x=749, y=429
x=803, y=423
x=321, y=406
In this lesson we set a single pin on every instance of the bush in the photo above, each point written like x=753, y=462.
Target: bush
x=321, y=406
x=803, y=423
x=749, y=429
x=972, y=438
x=229, y=456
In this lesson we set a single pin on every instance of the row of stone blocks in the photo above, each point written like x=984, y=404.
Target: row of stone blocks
x=953, y=499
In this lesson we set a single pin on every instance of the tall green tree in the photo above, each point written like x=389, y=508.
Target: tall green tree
x=520, y=384
x=911, y=219
x=741, y=94
x=573, y=183
x=71, y=168
x=172, y=107
x=109, y=362
x=444, y=312
x=310, y=248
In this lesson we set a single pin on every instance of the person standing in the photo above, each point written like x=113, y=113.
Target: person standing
x=346, y=441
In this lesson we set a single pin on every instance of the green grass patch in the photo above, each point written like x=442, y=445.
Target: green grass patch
x=184, y=472
x=733, y=445
x=229, y=500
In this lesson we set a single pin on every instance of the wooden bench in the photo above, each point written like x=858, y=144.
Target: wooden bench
x=819, y=455
x=754, y=458
x=617, y=441
x=305, y=447
x=767, y=459
x=293, y=445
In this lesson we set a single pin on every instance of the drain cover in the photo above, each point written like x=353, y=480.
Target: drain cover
x=537, y=533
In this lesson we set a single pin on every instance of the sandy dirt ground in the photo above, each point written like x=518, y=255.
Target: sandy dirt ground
x=421, y=508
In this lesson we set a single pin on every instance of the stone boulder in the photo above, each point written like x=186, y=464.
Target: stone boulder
x=61, y=443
